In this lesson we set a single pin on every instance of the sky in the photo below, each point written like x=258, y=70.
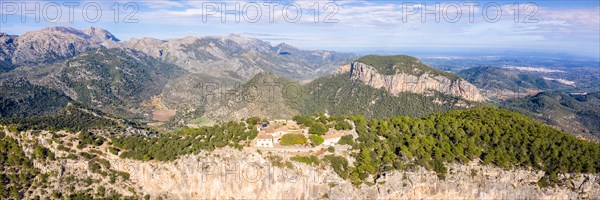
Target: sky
x=570, y=27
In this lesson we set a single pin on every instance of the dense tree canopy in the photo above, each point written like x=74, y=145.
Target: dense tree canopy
x=496, y=136
x=167, y=147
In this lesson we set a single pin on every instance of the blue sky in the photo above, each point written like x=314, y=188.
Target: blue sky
x=571, y=27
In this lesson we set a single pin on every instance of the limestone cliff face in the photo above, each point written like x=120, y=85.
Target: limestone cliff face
x=246, y=174
x=401, y=82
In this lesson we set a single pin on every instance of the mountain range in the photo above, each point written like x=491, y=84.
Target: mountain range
x=92, y=66
x=178, y=81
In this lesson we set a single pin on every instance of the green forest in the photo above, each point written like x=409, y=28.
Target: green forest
x=71, y=118
x=20, y=98
x=495, y=136
x=166, y=147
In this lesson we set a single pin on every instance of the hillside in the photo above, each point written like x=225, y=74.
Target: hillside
x=113, y=80
x=265, y=95
x=502, y=83
x=20, y=98
x=270, y=96
x=341, y=96
x=576, y=114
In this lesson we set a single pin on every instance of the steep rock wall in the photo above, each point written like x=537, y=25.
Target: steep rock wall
x=401, y=82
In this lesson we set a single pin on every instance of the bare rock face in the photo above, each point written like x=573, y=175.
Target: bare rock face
x=246, y=174
x=7, y=46
x=99, y=35
x=217, y=56
x=401, y=82
x=52, y=44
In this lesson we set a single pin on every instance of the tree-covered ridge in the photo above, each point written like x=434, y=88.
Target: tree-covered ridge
x=73, y=117
x=20, y=98
x=495, y=136
x=390, y=65
x=166, y=147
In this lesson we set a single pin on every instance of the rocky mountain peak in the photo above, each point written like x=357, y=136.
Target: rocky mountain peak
x=100, y=34
x=59, y=30
x=240, y=39
x=284, y=47
x=53, y=43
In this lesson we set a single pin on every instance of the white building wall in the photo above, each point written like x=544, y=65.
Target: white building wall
x=264, y=143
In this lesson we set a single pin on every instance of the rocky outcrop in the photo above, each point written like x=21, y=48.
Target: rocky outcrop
x=7, y=46
x=401, y=82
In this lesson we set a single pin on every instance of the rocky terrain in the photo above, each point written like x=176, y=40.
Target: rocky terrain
x=402, y=82
x=51, y=44
x=239, y=57
x=232, y=174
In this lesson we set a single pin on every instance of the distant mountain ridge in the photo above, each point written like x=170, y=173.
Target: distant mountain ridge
x=240, y=57
x=113, y=80
x=577, y=114
x=94, y=67
x=220, y=56
x=502, y=83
